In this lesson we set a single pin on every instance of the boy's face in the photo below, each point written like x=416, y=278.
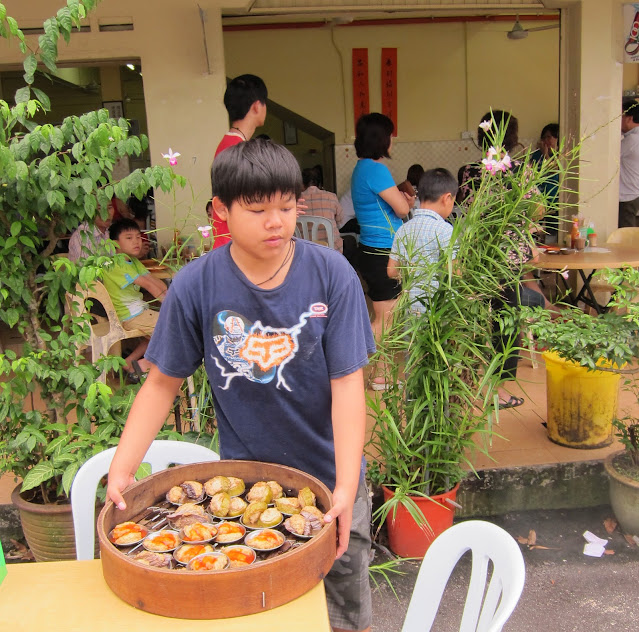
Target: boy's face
x=260, y=230
x=130, y=242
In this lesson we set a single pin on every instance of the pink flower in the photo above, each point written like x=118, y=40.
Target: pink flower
x=205, y=230
x=171, y=157
x=486, y=125
x=491, y=165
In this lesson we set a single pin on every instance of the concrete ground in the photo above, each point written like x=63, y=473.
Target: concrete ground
x=565, y=590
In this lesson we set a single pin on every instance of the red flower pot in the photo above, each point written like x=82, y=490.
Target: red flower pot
x=406, y=537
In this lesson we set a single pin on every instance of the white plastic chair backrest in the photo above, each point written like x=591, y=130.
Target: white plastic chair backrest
x=488, y=543
x=626, y=236
x=310, y=225
x=159, y=456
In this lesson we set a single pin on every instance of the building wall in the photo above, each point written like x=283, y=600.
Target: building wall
x=184, y=82
x=448, y=74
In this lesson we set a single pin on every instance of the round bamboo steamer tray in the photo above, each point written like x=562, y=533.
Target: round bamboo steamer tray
x=215, y=594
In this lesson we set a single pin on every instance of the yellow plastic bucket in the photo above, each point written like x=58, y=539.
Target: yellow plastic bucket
x=581, y=403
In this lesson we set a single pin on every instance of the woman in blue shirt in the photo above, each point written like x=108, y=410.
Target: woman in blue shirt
x=379, y=208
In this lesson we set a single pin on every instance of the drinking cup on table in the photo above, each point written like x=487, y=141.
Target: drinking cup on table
x=592, y=240
x=580, y=243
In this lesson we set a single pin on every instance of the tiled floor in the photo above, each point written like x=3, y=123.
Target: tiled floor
x=522, y=438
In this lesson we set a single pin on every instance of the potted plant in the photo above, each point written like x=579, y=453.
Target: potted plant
x=585, y=357
x=623, y=470
x=441, y=366
x=53, y=413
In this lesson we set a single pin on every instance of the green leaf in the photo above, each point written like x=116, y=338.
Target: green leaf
x=69, y=475
x=13, y=25
x=23, y=94
x=30, y=64
x=57, y=444
x=37, y=475
x=42, y=97
x=16, y=227
x=143, y=471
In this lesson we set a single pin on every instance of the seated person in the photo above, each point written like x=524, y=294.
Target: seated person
x=123, y=283
x=322, y=203
x=85, y=240
x=419, y=242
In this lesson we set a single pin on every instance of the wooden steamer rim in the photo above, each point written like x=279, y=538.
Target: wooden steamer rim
x=216, y=594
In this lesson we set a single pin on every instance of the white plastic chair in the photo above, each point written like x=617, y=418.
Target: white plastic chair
x=159, y=456
x=487, y=542
x=316, y=228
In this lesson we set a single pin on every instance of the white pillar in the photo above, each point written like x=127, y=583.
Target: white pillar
x=184, y=83
x=591, y=91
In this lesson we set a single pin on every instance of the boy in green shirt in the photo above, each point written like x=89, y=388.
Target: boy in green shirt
x=123, y=283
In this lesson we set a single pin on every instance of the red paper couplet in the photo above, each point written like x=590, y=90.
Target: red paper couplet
x=389, y=84
x=360, y=82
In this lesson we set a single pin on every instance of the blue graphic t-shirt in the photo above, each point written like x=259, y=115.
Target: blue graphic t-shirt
x=377, y=220
x=269, y=354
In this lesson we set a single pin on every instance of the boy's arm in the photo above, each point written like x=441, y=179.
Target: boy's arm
x=349, y=425
x=393, y=268
x=154, y=286
x=148, y=413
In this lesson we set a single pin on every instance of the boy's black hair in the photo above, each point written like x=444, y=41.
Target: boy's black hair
x=415, y=172
x=254, y=171
x=373, y=136
x=121, y=226
x=241, y=93
x=502, y=120
x=552, y=129
x=629, y=108
x=436, y=182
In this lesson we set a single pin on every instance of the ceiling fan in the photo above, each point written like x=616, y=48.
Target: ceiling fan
x=518, y=32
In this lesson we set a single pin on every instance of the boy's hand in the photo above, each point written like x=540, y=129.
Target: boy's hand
x=116, y=485
x=342, y=510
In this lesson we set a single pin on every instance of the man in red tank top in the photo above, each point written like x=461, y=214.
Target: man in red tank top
x=245, y=101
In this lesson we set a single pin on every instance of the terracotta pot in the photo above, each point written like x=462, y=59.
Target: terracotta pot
x=47, y=528
x=624, y=496
x=406, y=537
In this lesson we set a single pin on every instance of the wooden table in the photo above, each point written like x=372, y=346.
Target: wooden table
x=73, y=596
x=592, y=259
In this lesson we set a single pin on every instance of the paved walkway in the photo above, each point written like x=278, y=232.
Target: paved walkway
x=565, y=591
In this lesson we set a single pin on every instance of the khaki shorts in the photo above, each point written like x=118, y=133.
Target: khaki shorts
x=145, y=322
x=348, y=592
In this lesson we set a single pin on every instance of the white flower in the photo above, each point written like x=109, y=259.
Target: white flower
x=486, y=125
x=205, y=230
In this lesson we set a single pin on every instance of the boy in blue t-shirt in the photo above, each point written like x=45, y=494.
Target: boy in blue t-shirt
x=284, y=332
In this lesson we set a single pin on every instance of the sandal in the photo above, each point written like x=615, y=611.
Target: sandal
x=137, y=375
x=513, y=402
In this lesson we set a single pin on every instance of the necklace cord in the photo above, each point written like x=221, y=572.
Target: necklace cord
x=289, y=253
x=240, y=131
